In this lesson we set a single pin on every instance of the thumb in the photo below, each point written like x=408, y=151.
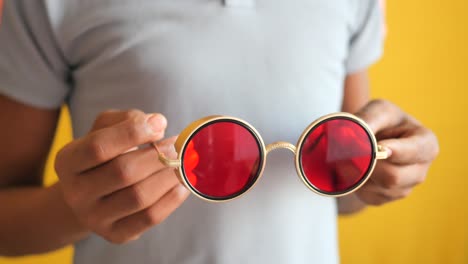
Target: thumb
x=166, y=146
x=112, y=117
x=381, y=115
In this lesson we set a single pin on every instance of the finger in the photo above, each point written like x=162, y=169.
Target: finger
x=105, y=144
x=113, y=116
x=383, y=193
x=133, y=225
x=371, y=197
x=394, y=132
x=381, y=114
x=166, y=146
x=391, y=176
x=136, y=197
x=419, y=145
x=119, y=173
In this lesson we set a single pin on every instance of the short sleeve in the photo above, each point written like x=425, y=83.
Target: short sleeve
x=32, y=69
x=366, y=43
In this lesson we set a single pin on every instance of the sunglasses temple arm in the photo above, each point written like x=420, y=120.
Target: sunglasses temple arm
x=381, y=153
x=164, y=159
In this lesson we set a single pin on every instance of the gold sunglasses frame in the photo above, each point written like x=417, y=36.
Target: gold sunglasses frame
x=187, y=133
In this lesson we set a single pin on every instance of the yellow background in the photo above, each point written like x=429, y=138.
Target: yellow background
x=425, y=71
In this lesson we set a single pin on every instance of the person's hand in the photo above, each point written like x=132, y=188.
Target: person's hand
x=115, y=189
x=411, y=146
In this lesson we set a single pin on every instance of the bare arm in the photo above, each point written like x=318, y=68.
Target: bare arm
x=356, y=96
x=33, y=218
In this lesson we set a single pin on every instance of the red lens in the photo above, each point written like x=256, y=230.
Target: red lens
x=336, y=155
x=222, y=160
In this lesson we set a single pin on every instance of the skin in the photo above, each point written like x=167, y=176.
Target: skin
x=411, y=147
x=109, y=187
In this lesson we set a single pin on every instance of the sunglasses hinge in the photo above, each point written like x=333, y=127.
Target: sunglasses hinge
x=381, y=153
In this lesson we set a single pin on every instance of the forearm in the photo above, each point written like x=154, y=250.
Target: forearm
x=35, y=220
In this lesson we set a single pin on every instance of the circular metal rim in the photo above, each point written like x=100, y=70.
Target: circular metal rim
x=310, y=128
x=199, y=124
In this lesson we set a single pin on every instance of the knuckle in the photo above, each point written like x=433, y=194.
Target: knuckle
x=104, y=114
x=78, y=192
x=61, y=160
x=116, y=238
x=136, y=197
x=152, y=217
x=428, y=144
x=74, y=194
x=73, y=198
x=420, y=179
x=401, y=194
x=95, y=149
x=376, y=200
x=135, y=128
x=378, y=101
x=435, y=149
x=391, y=180
x=122, y=171
x=382, y=199
x=59, y=163
x=179, y=195
x=90, y=221
x=404, y=194
x=385, y=104
x=366, y=112
x=132, y=113
x=102, y=117
x=367, y=197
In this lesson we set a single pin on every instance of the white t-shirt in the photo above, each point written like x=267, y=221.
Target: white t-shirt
x=277, y=64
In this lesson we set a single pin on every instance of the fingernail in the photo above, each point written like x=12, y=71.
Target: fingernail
x=157, y=122
x=388, y=150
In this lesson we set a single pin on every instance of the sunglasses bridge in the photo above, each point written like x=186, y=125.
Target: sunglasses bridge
x=281, y=145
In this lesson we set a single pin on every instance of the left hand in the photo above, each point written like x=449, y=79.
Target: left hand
x=412, y=148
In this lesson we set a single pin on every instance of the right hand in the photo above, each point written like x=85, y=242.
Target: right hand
x=115, y=189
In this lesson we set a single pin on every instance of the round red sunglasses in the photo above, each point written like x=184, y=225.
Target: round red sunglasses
x=221, y=157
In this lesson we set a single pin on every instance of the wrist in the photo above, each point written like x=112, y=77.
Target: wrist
x=72, y=227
